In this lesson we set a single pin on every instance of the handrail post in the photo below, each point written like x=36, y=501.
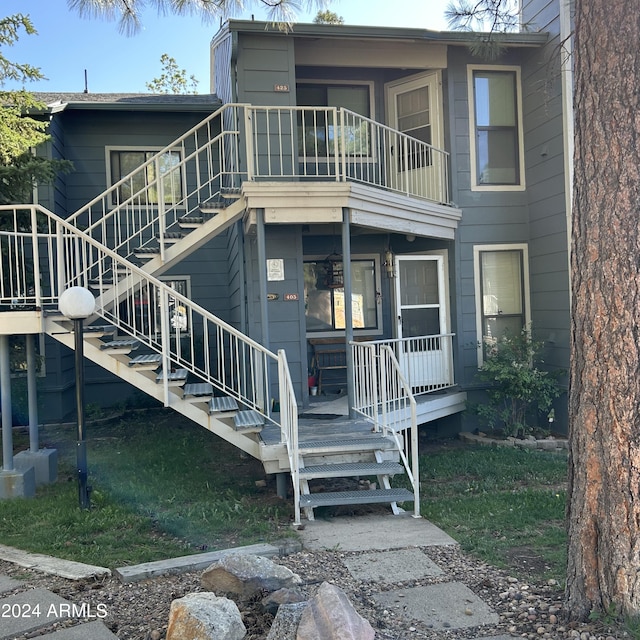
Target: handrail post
x=166, y=346
x=162, y=223
x=341, y=148
x=415, y=460
x=248, y=139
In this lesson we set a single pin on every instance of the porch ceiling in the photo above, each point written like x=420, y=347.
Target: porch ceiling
x=323, y=202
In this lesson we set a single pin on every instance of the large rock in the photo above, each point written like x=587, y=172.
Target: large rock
x=285, y=624
x=204, y=616
x=243, y=576
x=273, y=601
x=330, y=616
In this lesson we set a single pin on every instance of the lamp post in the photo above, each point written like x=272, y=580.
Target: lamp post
x=77, y=304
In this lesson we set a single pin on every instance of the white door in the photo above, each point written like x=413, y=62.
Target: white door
x=422, y=314
x=414, y=109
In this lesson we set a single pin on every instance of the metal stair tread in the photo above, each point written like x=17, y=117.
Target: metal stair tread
x=149, y=358
x=366, y=496
x=346, y=444
x=350, y=469
x=198, y=389
x=179, y=375
x=125, y=343
x=249, y=418
x=221, y=404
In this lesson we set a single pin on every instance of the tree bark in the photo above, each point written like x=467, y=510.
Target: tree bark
x=603, y=512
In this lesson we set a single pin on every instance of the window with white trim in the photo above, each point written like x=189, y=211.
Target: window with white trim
x=143, y=187
x=496, y=128
x=502, y=293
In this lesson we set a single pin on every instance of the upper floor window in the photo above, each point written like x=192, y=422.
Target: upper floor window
x=318, y=133
x=496, y=128
x=142, y=186
x=502, y=293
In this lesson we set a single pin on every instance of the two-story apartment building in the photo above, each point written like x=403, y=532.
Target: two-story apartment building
x=354, y=208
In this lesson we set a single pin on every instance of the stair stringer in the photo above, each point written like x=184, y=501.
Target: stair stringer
x=139, y=379
x=199, y=236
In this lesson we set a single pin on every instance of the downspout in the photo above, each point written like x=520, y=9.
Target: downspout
x=262, y=277
x=566, y=72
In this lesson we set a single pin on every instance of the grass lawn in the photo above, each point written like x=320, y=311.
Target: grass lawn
x=504, y=505
x=163, y=486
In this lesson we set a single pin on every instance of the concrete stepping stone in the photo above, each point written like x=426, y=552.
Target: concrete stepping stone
x=48, y=564
x=30, y=610
x=450, y=605
x=8, y=584
x=95, y=630
x=388, y=567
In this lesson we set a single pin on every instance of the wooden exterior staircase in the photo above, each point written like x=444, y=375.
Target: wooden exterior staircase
x=118, y=247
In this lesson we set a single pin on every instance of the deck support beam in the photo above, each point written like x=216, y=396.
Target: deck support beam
x=348, y=307
x=281, y=485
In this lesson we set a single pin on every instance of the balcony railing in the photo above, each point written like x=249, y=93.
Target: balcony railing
x=335, y=143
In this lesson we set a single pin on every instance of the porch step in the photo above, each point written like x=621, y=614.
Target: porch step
x=350, y=469
x=222, y=404
x=366, y=496
x=175, y=378
x=346, y=445
x=120, y=346
x=197, y=391
x=248, y=420
x=149, y=361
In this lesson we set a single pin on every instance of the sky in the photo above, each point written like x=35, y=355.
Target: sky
x=67, y=45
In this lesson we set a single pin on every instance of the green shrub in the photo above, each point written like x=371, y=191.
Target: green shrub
x=517, y=388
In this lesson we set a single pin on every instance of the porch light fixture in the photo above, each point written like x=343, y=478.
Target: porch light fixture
x=77, y=304
x=334, y=278
x=388, y=263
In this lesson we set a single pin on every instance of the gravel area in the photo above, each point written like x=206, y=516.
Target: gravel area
x=139, y=611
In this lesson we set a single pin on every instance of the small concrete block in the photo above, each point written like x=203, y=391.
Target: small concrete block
x=8, y=584
x=33, y=610
x=44, y=462
x=392, y=566
x=450, y=605
x=95, y=630
x=195, y=562
x=17, y=483
x=55, y=566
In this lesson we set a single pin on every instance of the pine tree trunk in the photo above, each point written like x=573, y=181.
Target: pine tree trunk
x=604, y=403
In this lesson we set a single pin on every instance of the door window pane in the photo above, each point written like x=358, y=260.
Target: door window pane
x=418, y=282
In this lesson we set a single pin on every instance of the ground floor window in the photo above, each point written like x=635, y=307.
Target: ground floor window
x=324, y=300
x=502, y=293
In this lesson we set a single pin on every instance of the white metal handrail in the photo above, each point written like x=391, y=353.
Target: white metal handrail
x=338, y=144
x=425, y=361
x=289, y=429
x=201, y=166
x=140, y=305
x=205, y=164
x=384, y=397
